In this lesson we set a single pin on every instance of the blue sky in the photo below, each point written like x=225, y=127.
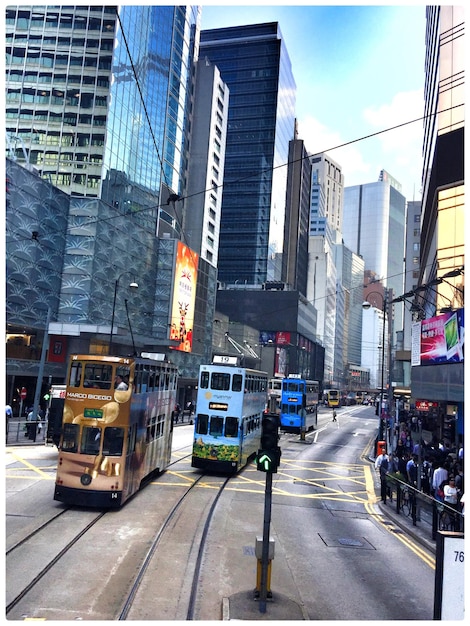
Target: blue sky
x=359, y=69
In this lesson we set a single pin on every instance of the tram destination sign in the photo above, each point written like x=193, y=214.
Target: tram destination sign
x=93, y=413
x=218, y=406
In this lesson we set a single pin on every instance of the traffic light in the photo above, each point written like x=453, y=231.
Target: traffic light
x=269, y=431
x=269, y=455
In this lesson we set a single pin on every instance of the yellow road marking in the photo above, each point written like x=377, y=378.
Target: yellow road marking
x=31, y=467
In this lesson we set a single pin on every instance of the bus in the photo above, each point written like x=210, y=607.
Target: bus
x=230, y=403
x=114, y=436
x=332, y=397
x=299, y=404
x=274, y=395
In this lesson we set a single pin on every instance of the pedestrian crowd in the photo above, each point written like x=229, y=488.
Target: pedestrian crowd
x=435, y=468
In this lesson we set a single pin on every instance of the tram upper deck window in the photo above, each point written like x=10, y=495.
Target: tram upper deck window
x=98, y=375
x=237, y=382
x=220, y=381
x=75, y=374
x=202, y=424
x=216, y=426
x=291, y=386
x=231, y=427
x=204, y=382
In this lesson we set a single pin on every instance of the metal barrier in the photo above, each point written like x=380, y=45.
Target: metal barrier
x=422, y=508
x=24, y=432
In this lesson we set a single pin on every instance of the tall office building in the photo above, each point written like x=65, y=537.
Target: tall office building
x=442, y=242
x=326, y=199
x=97, y=103
x=206, y=160
x=254, y=63
x=327, y=194
x=295, y=250
x=374, y=222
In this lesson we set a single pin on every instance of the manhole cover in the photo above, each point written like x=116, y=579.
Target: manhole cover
x=350, y=542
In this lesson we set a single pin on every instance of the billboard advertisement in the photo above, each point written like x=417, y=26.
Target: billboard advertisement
x=184, y=298
x=439, y=339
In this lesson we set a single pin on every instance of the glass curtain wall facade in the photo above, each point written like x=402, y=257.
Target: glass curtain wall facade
x=254, y=63
x=97, y=98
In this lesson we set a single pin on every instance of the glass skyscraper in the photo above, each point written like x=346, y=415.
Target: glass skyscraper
x=97, y=97
x=254, y=63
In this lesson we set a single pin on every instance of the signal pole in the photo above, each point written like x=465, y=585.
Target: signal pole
x=268, y=492
x=267, y=461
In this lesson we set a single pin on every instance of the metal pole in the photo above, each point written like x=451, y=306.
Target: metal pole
x=42, y=362
x=112, y=316
x=265, y=552
x=383, y=370
x=130, y=328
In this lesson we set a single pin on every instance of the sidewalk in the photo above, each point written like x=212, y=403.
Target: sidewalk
x=422, y=532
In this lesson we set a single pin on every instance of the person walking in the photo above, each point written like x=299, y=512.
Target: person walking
x=8, y=416
x=334, y=416
x=440, y=475
x=382, y=464
x=451, y=495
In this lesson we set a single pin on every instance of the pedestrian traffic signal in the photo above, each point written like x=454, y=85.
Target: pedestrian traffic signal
x=269, y=431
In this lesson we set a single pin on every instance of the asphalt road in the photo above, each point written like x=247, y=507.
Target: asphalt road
x=335, y=554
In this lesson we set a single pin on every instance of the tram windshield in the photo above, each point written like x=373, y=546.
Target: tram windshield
x=90, y=441
x=216, y=426
x=231, y=427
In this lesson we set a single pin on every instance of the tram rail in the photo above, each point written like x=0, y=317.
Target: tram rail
x=187, y=522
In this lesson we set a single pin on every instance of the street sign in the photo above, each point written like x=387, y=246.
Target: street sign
x=23, y=393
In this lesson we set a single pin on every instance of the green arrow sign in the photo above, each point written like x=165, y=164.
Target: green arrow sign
x=266, y=461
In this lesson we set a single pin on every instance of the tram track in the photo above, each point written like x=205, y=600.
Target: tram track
x=50, y=562
x=62, y=544
x=152, y=555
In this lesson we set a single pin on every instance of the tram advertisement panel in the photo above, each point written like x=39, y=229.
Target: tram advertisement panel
x=439, y=339
x=184, y=297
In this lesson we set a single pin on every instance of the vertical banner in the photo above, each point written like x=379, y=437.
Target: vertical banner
x=184, y=298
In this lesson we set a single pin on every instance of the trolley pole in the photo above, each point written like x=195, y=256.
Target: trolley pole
x=265, y=551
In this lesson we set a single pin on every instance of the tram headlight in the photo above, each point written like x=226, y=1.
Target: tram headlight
x=85, y=479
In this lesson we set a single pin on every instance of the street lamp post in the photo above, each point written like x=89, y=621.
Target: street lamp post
x=366, y=305
x=132, y=285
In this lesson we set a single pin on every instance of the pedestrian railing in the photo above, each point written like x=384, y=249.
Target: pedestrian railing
x=422, y=508
x=24, y=431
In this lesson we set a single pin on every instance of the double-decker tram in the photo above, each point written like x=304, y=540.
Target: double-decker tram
x=229, y=406
x=331, y=397
x=274, y=394
x=117, y=428
x=299, y=404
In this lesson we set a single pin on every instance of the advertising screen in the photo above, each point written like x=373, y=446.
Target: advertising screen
x=441, y=339
x=184, y=298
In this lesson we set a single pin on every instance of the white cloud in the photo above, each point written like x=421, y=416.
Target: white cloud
x=318, y=138
x=405, y=107
x=398, y=151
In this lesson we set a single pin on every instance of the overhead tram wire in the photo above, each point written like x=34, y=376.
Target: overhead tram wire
x=342, y=145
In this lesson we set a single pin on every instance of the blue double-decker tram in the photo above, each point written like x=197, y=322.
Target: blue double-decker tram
x=299, y=404
x=229, y=407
